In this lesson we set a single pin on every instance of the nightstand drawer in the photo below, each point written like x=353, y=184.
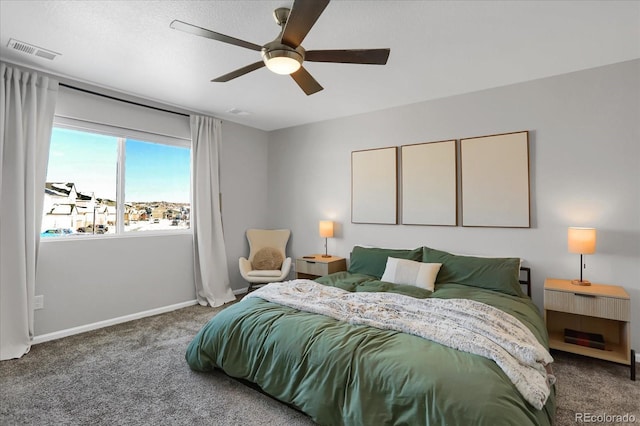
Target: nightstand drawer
x=586, y=304
x=311, y=267
x=317, y=265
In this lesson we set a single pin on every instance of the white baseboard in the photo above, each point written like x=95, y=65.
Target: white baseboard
x=106, y=323
x=241, y=291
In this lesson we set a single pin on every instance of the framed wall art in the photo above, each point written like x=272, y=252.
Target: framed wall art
x=429, y=184
x=374, y=186
x=495, y=180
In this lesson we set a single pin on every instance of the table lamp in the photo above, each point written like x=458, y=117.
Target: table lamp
x=326, y=231
x=582, y=241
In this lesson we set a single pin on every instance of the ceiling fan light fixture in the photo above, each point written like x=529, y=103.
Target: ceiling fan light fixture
x=282, y=62
x=285, y=55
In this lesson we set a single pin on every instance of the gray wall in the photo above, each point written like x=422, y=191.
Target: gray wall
x=584, y=155
x=89, y=281
x=244, y=189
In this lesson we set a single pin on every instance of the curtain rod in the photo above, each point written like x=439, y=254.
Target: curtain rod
x=121, y=100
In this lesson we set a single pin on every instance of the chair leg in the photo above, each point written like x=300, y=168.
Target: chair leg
x=254, y=286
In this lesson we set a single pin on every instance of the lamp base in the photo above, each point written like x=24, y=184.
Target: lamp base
x=326, y=255
x=581, y=282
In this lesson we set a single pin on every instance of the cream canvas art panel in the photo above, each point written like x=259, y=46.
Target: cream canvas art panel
x=374, y=183
x=429, y=184
x=495, y=180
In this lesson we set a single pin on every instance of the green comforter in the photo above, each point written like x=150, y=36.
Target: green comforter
x=343, y=374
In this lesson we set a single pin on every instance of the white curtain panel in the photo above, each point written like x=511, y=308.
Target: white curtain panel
x=28, y=104
x=211, y=271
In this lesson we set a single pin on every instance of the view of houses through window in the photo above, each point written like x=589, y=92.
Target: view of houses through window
x=85, y=171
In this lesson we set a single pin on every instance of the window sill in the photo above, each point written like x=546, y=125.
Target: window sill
x=98, y=237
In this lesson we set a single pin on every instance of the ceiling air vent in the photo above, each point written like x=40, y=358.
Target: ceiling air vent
x=236, y=111
x=30, y=49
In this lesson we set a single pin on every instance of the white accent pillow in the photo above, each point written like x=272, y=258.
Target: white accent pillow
x=404, y=271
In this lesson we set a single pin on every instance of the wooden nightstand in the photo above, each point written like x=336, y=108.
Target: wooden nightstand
x=315, y=265
x=598, y=308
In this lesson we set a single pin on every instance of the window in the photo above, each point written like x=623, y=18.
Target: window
x=157, y=186
x=100, y=183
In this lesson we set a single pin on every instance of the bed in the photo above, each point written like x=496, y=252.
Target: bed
x=298, y=341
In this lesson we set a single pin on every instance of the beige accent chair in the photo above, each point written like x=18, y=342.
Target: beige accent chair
x=265, y=238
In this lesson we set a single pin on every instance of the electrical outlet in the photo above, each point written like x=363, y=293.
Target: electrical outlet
x=38, y=302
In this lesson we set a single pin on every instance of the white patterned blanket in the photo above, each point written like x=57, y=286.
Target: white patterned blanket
x=462, y=324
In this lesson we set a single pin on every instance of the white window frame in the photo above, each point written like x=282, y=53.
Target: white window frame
x=122, y=134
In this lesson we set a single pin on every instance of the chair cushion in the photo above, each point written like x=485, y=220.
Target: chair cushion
x=267, y=258
x=264, y=273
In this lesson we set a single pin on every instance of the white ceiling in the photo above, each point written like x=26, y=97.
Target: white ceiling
x=438, y=49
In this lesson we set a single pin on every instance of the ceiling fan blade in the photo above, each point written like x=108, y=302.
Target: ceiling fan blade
x=306, y=82
x=203, y=32
x=239, y=72
x=304, y=13
x=353, y=56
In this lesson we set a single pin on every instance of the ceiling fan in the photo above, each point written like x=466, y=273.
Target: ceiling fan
x=285, y=54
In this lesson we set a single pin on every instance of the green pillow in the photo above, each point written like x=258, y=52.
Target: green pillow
x=491, y=273
x=372, y=260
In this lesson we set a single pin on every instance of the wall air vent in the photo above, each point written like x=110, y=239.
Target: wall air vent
x=30, y=49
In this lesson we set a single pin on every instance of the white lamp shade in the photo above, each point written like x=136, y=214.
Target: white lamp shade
x=326, y=228
x=582, y=240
